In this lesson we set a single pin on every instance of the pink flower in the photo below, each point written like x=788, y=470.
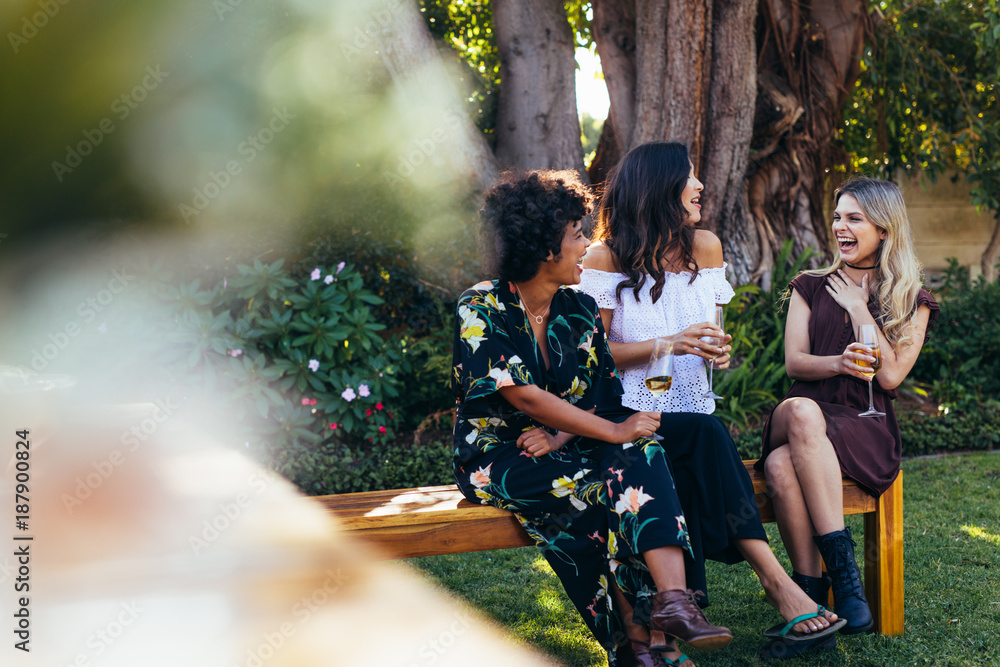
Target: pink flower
x=363, y=391
x=328, y=279
x=348, y=395
x=314, y=365
x=234, y=353
x=315, y=274
x=378, y=406
x=340, y=267
x=305, y=401
x=368, y=412
x=381, y=429
x=312, y=401
x=631, y=500
x=481, y=477
x=333, y=426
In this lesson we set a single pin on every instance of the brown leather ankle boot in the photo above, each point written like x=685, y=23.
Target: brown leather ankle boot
x=677, y=614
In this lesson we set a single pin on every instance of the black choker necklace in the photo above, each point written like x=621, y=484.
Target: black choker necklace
x=861, y=268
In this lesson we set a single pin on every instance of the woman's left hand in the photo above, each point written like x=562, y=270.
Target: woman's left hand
x=848, y=294
x=539, y=442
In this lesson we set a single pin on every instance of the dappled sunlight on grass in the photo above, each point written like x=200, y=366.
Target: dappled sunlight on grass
x=980, y=534
x=539, y=564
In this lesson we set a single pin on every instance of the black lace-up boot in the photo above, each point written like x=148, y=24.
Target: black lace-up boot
x=817, y=588
x=849, y=601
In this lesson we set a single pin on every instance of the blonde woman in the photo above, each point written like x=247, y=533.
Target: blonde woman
x=815, y=434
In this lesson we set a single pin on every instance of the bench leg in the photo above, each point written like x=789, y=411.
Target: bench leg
x=884, y=560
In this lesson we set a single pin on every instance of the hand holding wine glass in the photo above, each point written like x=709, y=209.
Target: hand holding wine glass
x=868, y=336
x=715, y=317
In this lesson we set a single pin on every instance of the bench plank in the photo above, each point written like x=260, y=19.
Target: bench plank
x=436, y=520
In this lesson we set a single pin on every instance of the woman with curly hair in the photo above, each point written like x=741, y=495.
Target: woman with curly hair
x=816, y=433
x=530, y=363
x=655, y=275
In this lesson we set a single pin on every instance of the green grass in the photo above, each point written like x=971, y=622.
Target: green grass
x=952, y=584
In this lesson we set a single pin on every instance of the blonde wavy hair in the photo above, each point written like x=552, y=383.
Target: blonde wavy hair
x=897, y=277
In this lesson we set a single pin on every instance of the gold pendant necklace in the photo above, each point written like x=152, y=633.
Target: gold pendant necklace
x=538, y=318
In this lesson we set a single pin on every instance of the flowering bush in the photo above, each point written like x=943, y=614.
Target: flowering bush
x=301, y=362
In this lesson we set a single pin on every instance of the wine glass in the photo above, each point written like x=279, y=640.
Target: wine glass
x=715, y=317
x=660, y=369
x=868, y=336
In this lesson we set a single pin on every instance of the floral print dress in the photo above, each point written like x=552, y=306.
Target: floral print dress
x=592, y=507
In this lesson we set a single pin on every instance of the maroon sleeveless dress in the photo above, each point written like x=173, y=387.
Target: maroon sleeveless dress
x=869, y=448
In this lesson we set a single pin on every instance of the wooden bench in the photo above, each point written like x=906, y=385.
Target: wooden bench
x=430, y=521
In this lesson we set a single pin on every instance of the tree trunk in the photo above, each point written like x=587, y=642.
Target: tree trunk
x=657, y=59
x=613, y=28
x=410, y=55
x=811, y=55
x=697, y=77
x=537, y=124
x=726, y=152
x=988, y=262
x=674, y=69
x=690, y=77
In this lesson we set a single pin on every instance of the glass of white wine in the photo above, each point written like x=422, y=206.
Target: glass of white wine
x=715, y=317
x=660, y=369
x=868, y=336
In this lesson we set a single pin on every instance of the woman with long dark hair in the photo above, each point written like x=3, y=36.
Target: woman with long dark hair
x=530, y=363
x=655, y=275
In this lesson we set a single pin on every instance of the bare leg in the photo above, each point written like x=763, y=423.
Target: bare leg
x=782, y=592
x=805, y=479
x=666, y=565
x=790, y=510
x=815, y=461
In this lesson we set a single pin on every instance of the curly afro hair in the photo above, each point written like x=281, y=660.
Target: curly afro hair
x=524, y=217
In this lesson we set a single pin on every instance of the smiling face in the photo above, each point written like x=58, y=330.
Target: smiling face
x=691, y=197
x=857, y=238
x=566, y=269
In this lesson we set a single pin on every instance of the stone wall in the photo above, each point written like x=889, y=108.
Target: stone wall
x=945, y=223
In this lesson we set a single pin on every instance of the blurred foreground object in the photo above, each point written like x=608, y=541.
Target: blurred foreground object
x=151, y=545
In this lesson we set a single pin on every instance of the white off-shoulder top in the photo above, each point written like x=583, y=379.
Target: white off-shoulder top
x=680, y=305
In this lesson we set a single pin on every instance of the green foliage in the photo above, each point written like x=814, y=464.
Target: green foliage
x=926, y=99
x=317, y=385
x=756, y=320
x=293, y=358
x=467, y=28
x=579, y=13
x=967, y=424
x=340, y=467
x=961, y=358
x=590, y=135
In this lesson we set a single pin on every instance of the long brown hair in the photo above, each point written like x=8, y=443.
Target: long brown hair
x=641, y=217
